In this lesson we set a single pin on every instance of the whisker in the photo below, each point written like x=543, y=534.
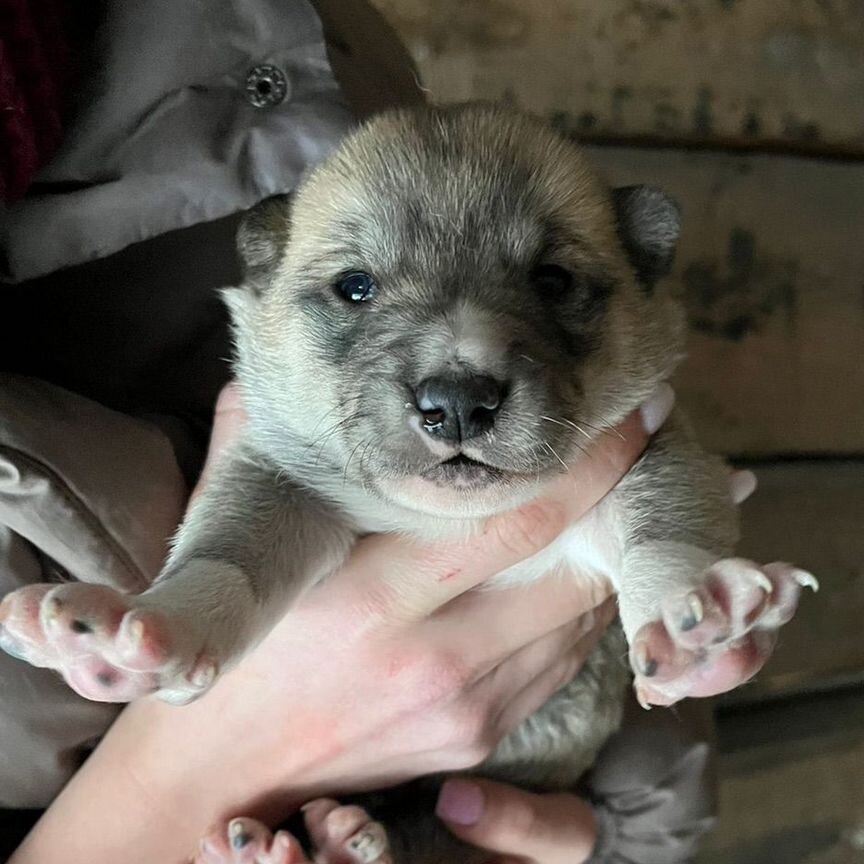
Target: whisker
x=554, y=452
x=603, y=430
x=325, y=439
x=556, y=422
x=365, y=452
x=324, y=416
x=571, y=425
x=350, y=457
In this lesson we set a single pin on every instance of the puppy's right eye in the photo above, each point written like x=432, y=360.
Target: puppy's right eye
x=356, y=287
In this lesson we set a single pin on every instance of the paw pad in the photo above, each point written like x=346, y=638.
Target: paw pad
x=717, y=635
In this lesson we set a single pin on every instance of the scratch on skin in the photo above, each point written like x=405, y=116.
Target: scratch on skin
x=446, y=577
x=396, y=666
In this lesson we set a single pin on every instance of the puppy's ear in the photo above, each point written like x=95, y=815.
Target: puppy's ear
x=262, y=237
x=649, y=223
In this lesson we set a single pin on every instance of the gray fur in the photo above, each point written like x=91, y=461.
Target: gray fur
x=451, y=210
x=649, y=223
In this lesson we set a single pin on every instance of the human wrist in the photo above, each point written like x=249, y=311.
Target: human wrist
x=155, y=784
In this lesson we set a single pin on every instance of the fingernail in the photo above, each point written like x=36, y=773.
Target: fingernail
x=460, y=802
x=655, y=411
x=742, y=484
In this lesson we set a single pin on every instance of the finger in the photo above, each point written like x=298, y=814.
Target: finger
x=546, y=829
x=540, y=677
x=517, y=688
x=228, y=420
x=742, y=484
x=512, y=618
x=402, y=579
x=315, y=815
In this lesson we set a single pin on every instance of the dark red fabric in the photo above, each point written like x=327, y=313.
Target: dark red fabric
x=35, y=67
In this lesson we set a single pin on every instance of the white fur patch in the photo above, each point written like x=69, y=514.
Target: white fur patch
x=591, y=548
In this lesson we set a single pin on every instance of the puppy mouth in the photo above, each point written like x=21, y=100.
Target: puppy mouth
x=463, y=472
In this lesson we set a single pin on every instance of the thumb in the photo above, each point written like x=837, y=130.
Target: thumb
x=544, y=829
x=229, y=417
x=419, y=578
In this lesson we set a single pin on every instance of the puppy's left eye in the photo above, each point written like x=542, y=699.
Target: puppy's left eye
x=357, y=286
x=551, y=278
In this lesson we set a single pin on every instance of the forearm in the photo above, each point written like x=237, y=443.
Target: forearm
x=153, y=786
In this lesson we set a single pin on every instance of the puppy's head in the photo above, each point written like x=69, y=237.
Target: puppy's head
x=451, y=306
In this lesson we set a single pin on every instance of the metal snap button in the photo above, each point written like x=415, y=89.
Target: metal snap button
x=266, y=85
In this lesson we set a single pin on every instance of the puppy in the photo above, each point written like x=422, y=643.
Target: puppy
x=450, y=308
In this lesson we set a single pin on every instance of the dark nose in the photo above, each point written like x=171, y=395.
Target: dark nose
x=459, y=408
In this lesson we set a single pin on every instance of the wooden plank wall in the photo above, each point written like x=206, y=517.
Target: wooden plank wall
x=791, y=787
x=752, y=115
x=771, y=72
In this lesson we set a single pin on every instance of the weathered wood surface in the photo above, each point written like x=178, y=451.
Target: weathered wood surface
x=771, y=268
x=791, y=783
x=811, y=513
x=773, y=71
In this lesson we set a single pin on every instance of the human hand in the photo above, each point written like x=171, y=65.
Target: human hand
x=514, y=826
x=392, y=668
x=518, y=827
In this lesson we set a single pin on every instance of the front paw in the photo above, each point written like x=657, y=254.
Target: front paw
x=108, y=646
x=717, y=635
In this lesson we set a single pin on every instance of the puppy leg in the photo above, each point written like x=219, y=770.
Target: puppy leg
x=698, y=621
x=250, y=543
x=709, y=630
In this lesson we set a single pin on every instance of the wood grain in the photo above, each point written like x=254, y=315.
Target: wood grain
x=791, y=783
x=811, y=513
x=771, y=269
x=705, y=70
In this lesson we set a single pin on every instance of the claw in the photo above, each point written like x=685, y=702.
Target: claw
x=806, y=580
x=136, y=631
x=203, y=674
x=697, y=612
x=647, y=665
x=763, y=582
x=50, y=610
x=240, y=837
x=640, y=698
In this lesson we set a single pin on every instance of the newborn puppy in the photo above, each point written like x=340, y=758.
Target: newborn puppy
x=450, y=308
